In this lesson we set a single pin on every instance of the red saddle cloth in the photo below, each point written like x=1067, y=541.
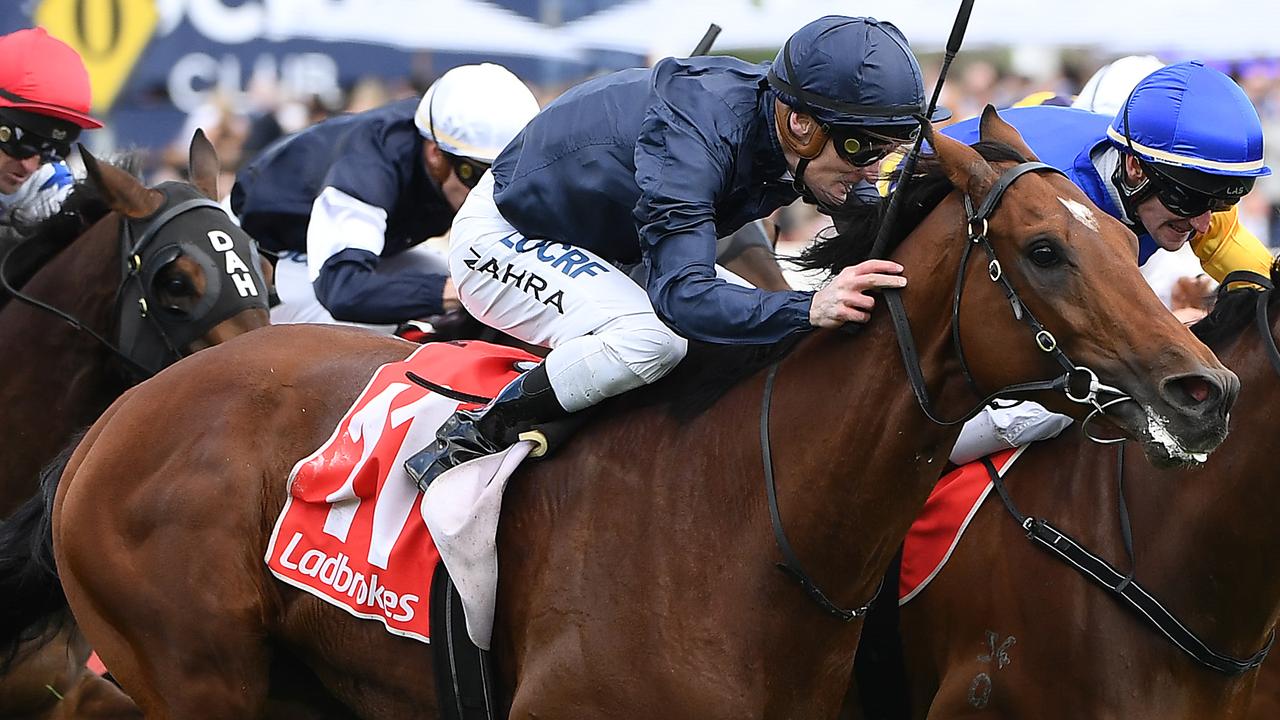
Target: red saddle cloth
x=946, y=514
x=351, y=531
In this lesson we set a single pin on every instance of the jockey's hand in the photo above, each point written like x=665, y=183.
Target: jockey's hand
x=847, y=298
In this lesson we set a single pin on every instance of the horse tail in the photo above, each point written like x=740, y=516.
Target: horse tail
x=34, y=606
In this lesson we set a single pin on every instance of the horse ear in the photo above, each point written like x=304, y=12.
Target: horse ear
x=966, y=169
x=121, y=191
x=993, y=128
x=203, y=166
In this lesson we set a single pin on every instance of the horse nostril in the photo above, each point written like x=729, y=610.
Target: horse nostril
x=1197, y=388
x=1193, y=392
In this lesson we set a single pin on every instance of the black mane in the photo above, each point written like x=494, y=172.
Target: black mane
x=1233, y=311
x=856, y=225
x=709, y=371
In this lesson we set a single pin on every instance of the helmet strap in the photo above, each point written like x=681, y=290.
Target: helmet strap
x=1131, y=196
x=797, y=179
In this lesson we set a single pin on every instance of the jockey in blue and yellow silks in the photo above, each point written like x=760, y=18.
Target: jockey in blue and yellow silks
x=1172, y=164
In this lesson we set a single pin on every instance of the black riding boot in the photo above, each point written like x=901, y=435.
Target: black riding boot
x=525, y=402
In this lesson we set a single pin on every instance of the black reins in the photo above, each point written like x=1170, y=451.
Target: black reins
x=132, y=252
x=1123, y=585
x=70, y=319
x=1078, y=383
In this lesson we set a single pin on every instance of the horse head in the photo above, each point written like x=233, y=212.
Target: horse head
x=191, y=277
x=1061, y=277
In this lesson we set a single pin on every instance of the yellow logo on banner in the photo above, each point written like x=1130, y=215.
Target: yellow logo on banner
x=108, y=34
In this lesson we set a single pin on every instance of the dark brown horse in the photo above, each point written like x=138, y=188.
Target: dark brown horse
x=639, y=570
x=57, y=378
x=1007, y=630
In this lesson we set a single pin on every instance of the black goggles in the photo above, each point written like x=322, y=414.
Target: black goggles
x=1182, y=200
x=21, y=144
x=468, y=171
x=861, y=147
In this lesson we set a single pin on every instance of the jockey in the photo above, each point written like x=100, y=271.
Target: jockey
x=344, y=200
x=1184, y=148
x=1107, y=89
x=1172, y=164
x=652, y=165
x=44, y=104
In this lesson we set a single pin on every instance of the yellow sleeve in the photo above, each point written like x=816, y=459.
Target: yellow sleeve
x=887, y=166
x=1228, y=246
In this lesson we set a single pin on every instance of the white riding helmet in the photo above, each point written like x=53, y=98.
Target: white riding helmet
x=474, y=111
x=1109, y=88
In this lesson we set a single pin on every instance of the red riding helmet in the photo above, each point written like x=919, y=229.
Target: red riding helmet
x=41, y=74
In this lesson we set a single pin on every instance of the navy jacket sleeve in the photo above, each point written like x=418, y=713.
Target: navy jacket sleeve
x=351, y=290
x=681, y=172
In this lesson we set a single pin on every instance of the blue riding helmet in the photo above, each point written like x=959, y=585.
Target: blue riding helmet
x=1195, y=128
x=857, y=72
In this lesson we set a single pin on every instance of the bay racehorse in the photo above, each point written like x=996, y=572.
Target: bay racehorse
x=639, y=569
x=116, y=244
x=1007, y=630
x=123, y=249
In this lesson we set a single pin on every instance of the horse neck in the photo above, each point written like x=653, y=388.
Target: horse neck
x=81, y=280
x=854, y=456
x=1208, y=542
x=57, y=378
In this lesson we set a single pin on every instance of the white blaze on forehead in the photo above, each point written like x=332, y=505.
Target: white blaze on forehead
x=1081, y=213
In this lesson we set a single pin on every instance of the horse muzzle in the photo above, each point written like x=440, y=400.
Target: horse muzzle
x=1185, y=418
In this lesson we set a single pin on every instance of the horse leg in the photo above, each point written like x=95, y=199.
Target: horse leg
x=50, y=680
x=96, y=698
x=186, y=639
x=174, y=661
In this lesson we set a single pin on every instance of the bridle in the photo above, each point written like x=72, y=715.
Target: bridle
x=1124, y=586
x=1080, y=384
x=151, y=337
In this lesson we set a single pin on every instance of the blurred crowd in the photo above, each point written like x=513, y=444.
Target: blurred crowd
x=267, y=112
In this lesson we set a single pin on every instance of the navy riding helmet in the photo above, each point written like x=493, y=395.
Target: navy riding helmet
x=851, y=72
x=1196, y=134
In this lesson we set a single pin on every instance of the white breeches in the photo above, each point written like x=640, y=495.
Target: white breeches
x=604, y=334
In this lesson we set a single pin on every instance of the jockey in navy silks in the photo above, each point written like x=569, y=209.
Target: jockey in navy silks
x=344, y=200
x=652, y=165
x=1172, y=164
x=44, y=104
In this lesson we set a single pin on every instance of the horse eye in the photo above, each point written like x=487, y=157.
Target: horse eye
x=1044, y=254
x=179, y=286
